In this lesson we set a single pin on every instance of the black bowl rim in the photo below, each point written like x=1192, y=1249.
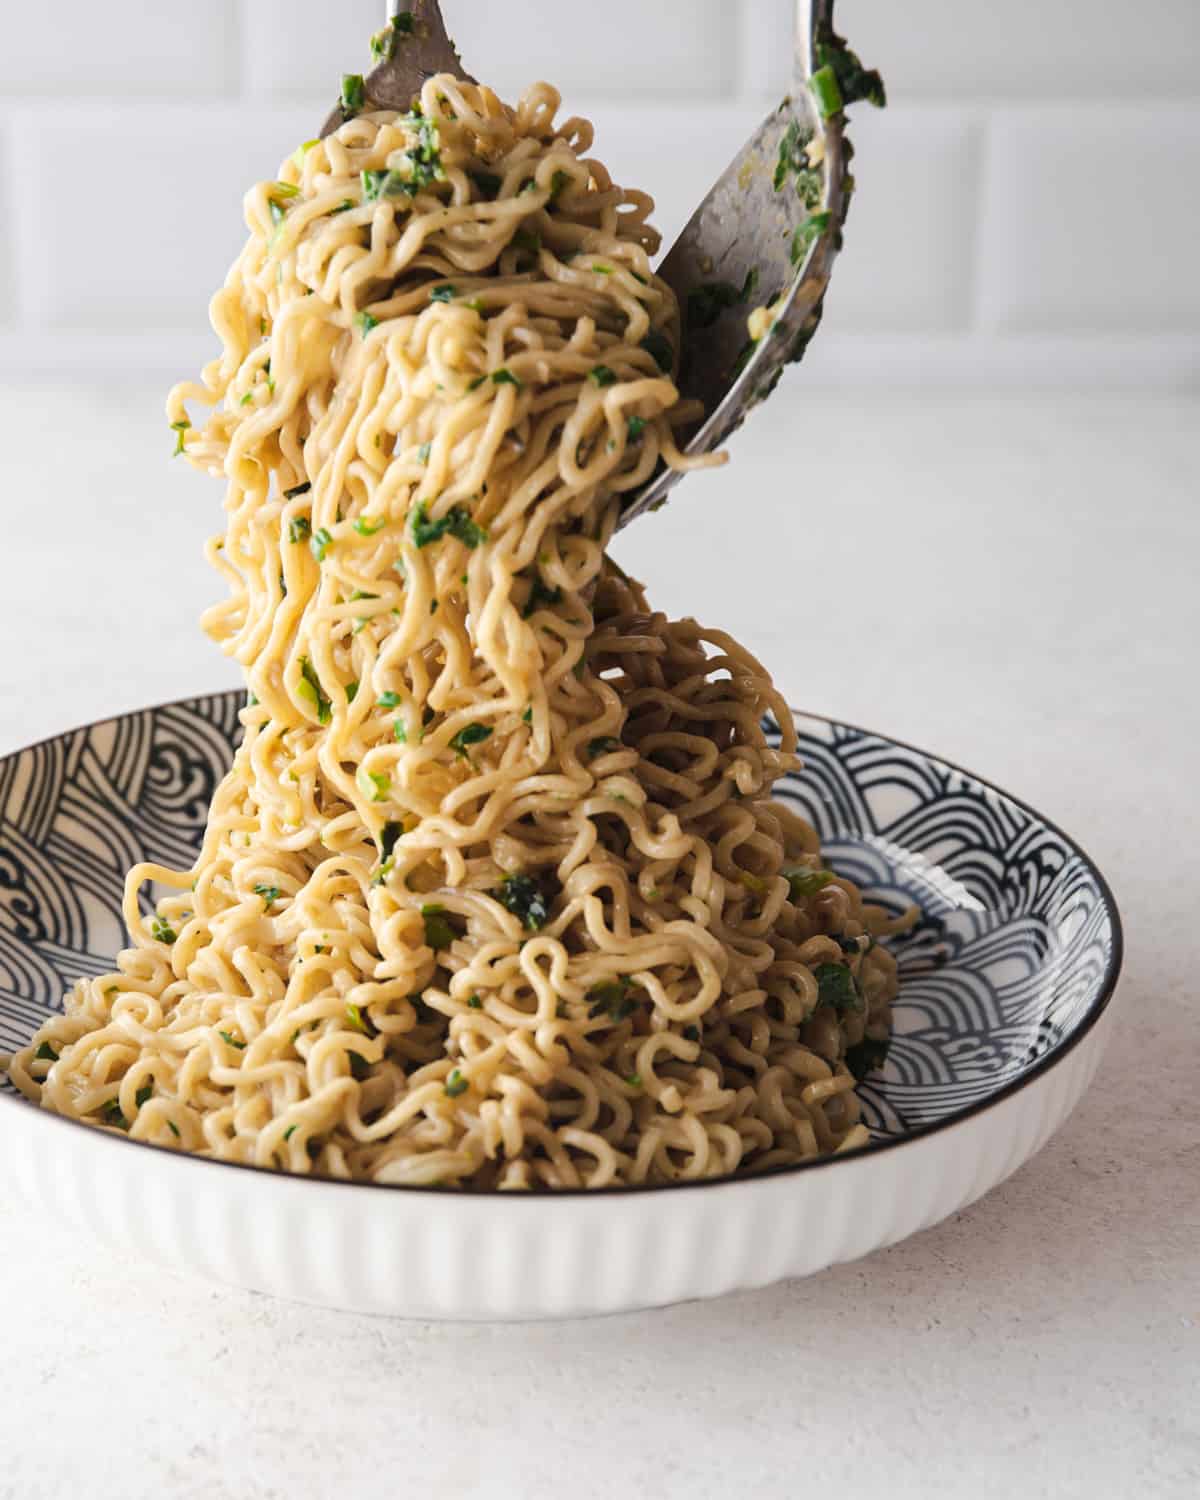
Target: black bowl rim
x=1044, y=1064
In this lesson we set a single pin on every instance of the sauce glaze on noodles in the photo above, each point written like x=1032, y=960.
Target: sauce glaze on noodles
x=495, y=894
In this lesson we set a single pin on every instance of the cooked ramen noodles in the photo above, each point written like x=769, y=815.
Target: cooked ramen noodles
x=495, y=894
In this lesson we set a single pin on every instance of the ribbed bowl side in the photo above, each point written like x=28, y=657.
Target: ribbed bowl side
x=458, y=1256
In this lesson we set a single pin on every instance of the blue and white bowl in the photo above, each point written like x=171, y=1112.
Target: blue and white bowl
x=1002, y=1015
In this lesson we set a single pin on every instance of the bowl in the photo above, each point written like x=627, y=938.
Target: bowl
x=1003, y=1012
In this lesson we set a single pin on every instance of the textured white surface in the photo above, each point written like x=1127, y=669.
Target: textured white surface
x=1006, y=215
x=1009, y=582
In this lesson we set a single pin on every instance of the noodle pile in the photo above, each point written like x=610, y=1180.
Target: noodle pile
x=494, y=894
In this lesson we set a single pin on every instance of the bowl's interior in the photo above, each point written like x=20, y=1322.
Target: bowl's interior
x=1015, y=950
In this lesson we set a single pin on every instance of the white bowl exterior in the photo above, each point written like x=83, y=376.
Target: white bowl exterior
x=465, y=1256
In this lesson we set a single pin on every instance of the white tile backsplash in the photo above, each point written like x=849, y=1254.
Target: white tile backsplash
x=302, y=47
x=907, y=263
x=1036, y=49
x=142, y=247
x=1091, y=220
x=125, y=48
x=1031, y=194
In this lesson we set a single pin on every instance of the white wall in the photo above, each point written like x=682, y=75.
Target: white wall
x=1028, y=207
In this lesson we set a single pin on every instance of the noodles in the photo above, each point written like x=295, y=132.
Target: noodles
x=494, y=893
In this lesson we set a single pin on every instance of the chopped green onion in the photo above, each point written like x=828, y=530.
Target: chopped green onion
x=634, y=1080
x=438, y=932
x=456, y=522
x=299, y=529
x=269, y=893
x=473, y=734
x=456, y=1084
x=805, y=883
x=173, y=1128
x=388, y=700
x=524, y=898
x=827, y=92
x=475, y=1003
x=368, y=526
x=352, y=687
x=527, y=716
x=401, y=732
x=290, y=1132
x=232, y=1040
x=384, y=183
x=602, y=746
x=45, y=1053
x=320, y=543
x=364, y=322
x=506, y=377
x=540, y=595
x=353, y=93
x=375, y=785
x=113, y=1116
x=836, y=986
x=558, y=184
x=309, y=687
x=180, y=428
x=612, y=999
x=389, y=836
x=445, y=293
x=812, y=228
x=637, y=425
x=423, y=452
x=162, y=931
x=354, y=1019
x=707, y=302
x=297, y=489
x=602, y=376
x=143, y=1094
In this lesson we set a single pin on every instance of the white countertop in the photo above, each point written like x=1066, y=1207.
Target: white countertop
x=1012, y=583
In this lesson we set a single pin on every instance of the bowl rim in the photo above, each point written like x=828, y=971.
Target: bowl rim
x=1086, y=1024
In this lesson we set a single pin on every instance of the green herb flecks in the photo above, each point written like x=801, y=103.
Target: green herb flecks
x=602, y=746
x=827, y=92
x=269, y=894
x=45, y=1053
x=456, y=1084
x=309, y=688
x=162, y=931
x=456, y=522
x=383, y=182
x=446, y=293
x=854, y=82
x=805, y=883
x=365, y=322
x=144, y=1094
x=524, y=898
x=793, y=154
x=438, y=932
x=602, y=376
x=473, y=734
x=475, y=1003
x=319, y=543
x=540, y=596
x=506, y=377
x=374, y=785
x=231, y=1040
x=111, y=1113
x=611, y=999
x=837, y=987
x=812, y=228
x=369, y=525
x=388, y=700
x=297, y=489
x=389, y=836
x=356, y=1021
x=637, y=425
x=354, y=93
